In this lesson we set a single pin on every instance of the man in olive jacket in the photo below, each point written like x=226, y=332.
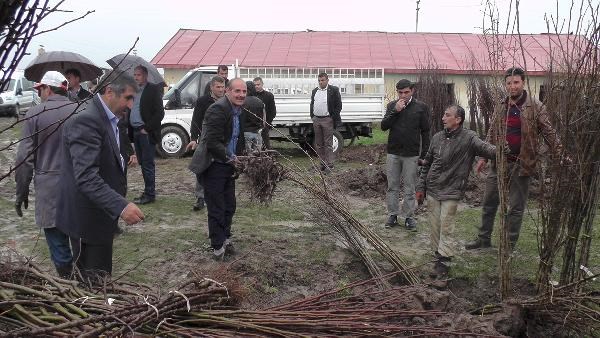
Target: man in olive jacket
x=214, y=162
x=444, y=178
x=407, y=119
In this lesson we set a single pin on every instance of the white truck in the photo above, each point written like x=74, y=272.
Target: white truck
x=362, y=93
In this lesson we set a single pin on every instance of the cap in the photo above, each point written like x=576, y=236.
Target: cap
x=52, y=78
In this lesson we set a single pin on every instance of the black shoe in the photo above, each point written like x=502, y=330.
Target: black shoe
x=392, y=221
x=441, y=269
x=229, y=247
x=199, y=205
x=410, y=224
x=144, y=200
x=478, y=243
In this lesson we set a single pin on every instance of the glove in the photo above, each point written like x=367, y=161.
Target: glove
x=420, y=196
x=24, y=202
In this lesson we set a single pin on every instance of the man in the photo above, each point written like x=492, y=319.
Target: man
x=271, y=110
x=76, y=92
x=325, y=108
x=144, y=120
x=217, y=90
x=42, y=129
x=214, y=162
x=223, y=72
x=407, y=119
x=92, y=182
x=255, y=120
x=525, y=119
x=444, y=176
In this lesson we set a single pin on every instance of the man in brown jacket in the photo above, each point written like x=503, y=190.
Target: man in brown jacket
x=525, y=119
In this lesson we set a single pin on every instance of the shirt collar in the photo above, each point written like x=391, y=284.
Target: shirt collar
x=111, y=116
x=323, y=89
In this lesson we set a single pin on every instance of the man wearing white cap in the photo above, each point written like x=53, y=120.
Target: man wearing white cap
x=42, y=129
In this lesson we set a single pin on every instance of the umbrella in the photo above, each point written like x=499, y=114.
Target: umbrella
x=128, y=62
x=61, y=61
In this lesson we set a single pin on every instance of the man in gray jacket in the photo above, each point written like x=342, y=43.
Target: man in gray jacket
x=444, y=177
x=43, y=129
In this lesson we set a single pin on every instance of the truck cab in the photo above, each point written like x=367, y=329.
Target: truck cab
x=362, y=99
x=18, y=95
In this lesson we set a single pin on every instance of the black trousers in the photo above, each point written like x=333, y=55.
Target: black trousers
x=219, y=196
x=94, y=261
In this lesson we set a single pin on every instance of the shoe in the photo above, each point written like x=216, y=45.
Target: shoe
x=410, y=224
x=219, y=255
x=478, y=243
x=199, y=205
x=144, y=199
x=229, y=247
x=392, y=221
x=441, y=269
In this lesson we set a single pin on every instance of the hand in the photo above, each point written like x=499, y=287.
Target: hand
x=132, y=214
x=421, y=162
x=132, y=160
x=420, y=196
x=191, y=146
x=400, y=105
x=143, y=131
x=480, y=166
x=506, y=148
x=24, y=202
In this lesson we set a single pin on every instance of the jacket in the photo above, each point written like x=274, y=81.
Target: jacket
x=269, y=100
x=202, y=105
x=217, y=129
x=92, y=181
x=534, y=123
x=409, y=129
x=47, y=120
x=152, y=111
x=255, y=110
x=448, y=163
x=334, y=103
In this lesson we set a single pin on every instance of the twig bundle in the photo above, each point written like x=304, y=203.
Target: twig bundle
x=263, y=172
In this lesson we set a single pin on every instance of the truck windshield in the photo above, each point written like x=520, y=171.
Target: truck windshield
x=9, y=86
x=185, y=93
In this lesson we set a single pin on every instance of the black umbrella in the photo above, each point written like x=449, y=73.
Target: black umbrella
x=128, y=63
x=61, y=61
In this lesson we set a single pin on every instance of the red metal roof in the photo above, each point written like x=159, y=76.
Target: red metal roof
x=455, y=53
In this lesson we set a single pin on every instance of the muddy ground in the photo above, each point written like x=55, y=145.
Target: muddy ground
x=281, y=255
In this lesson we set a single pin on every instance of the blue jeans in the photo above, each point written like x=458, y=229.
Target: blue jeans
x=60, y=250
x=401, y=169
x=145, y=150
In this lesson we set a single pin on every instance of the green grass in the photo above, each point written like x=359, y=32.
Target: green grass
x=379, y=137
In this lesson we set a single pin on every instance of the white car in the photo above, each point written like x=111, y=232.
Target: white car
x=18, y=96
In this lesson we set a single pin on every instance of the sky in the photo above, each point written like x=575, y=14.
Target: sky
x=114, y=26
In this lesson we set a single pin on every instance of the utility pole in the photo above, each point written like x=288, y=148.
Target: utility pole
x=417, y=21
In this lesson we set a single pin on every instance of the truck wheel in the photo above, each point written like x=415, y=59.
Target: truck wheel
x=172, y=142
x=337, y=145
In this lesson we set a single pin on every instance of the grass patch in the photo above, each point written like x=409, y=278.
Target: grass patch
x=379, y=136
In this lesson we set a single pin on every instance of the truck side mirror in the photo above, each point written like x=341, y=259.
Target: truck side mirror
x=175, y=100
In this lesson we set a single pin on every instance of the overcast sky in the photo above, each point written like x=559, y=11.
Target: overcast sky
x=115, y=24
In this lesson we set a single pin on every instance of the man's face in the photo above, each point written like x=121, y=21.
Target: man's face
x=119, y=103
x=323, y=81
x=236, y=92
x=222, y=73
x=218, y=89
x=140, y=77
x=514, y=85
x=258, y=86
x=450, y=120
x=73, y=80
x=405, y=94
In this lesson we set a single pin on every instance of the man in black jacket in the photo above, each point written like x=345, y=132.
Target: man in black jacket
x=255, y=120
x=407, y=119
x=217, y=90
x=325, y=108
x=144, y=120
x=270, y=109
x=76, y=93
x=214, y=162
